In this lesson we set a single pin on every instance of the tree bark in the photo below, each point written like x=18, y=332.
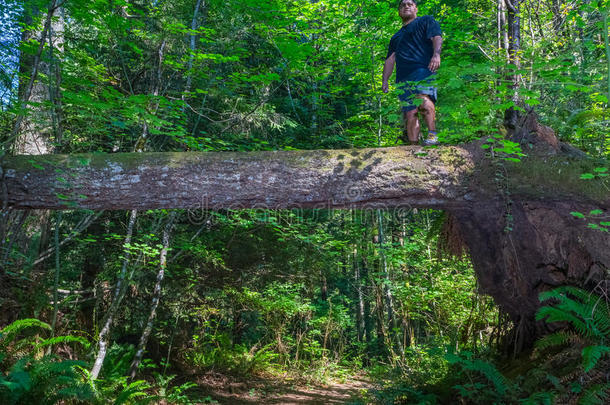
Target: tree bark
x=511, y=115
x=31, y=131
x=119, y=293
x=389, y=299
x=137, y=359
x=359, y=296
x=449, y=177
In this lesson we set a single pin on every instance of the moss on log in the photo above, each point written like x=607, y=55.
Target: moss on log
x=445, y=177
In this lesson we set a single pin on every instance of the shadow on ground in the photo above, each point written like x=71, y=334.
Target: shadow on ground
x=268, y=391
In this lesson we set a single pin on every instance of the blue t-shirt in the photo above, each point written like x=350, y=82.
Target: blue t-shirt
x=413, y=47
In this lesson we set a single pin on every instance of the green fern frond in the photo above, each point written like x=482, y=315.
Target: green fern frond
x=490, y=372
x=595, y=395
x=539, y=398
x=132, y=391
x=592, y=354
x=80, y=392
x=554, y=314
x=8, y=334
x=588, y=313
x=63, y=339
x=561, y=293
x=560, y=338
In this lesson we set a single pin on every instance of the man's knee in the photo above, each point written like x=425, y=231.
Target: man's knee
x=427, y=106
x=411, y=114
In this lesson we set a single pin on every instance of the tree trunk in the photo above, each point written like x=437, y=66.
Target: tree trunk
x=511, y=116
x=92, y=265
x=135, y=364
x=450, y=177
x=501, y=27
x=32, y=131
x=389, y=300
x=359, y=297
x=547, y=247
x=119, y=293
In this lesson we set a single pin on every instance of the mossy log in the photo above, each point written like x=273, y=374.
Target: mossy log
x=514, y=217
x=443, y=178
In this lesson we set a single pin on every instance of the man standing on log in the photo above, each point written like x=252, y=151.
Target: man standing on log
x=416, y=50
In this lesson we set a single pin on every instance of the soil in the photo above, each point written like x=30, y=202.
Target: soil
x=228, y=390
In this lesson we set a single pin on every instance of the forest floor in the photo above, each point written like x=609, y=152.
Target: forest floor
x=227, y=390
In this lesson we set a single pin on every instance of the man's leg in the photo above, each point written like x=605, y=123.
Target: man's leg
x=412, y=125
x=428, y=111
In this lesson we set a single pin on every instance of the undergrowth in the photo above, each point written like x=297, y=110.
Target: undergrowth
x=568, y=366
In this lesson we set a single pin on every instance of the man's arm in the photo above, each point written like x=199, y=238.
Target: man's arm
x=435, y=62
x=388, y=67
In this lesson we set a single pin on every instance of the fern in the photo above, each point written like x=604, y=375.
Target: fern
x=62, y=339
x=31, y=379
x=596, y=395
x=591, y=355
x=539, y=398
x=586, y=312
x=589, y=314
x=132, y=391
x=8, y=334
x=491, y=373
x=488, y=370
x=556, y=314
x=46, y=380
x=561, y=338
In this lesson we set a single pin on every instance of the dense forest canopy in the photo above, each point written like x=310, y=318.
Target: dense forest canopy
x=155, y=305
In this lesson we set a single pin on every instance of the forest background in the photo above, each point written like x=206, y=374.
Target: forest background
x=110, y=304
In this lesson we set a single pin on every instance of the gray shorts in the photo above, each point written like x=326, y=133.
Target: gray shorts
x=410, y=90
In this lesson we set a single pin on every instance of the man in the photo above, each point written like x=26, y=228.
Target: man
x=416, y=50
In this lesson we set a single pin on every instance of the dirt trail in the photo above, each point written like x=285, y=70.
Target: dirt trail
x=262, y=391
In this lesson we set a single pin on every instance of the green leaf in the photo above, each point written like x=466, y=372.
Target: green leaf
x=591, y=355
x=577, y=214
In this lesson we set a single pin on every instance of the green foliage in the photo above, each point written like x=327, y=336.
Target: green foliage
x=586, y=312
x=403, y=394
x=589, y=315
x=175, y=394
x=493, y=388
x=503, y=148
x=255, y=291
x=217, y=352
x=597, y=394
x=27, y=376
x=12, y=331
x=592, y=354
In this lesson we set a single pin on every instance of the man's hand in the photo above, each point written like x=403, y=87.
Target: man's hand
x=435, y=63
x=385, y=87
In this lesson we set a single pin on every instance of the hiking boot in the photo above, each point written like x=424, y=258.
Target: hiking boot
x=432, y=139
x=405, y=139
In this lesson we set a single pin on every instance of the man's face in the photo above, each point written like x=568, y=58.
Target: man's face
x=407, y=9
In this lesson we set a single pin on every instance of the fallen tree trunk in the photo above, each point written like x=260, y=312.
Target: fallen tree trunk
x=284, y=179
x=530, y=248
x=443, y=178
x=514, y=217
